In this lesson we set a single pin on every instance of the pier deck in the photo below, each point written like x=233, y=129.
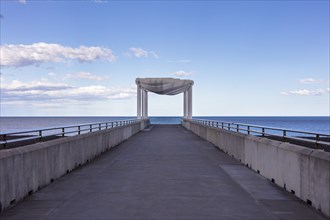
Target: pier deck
x=164, y=172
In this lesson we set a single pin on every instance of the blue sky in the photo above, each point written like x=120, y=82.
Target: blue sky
x=247, y=58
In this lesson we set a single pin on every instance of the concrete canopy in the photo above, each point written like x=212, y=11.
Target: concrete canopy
x=164, y=86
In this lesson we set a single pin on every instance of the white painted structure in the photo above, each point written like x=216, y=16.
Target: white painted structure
x=300, y=170
x=163, y=86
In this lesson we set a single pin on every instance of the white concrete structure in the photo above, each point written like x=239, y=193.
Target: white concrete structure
x=24, y=170
x=163, y=86
x=300, y=170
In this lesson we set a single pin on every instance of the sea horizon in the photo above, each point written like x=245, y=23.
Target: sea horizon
x=317, y=124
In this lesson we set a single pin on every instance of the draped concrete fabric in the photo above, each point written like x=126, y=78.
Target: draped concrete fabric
x=164, y=86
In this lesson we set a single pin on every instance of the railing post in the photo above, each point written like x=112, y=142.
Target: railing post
x=228, y=126
x=106, y=125
x=90, y=128
x=99, y=126
x=78, y=130
x=263, y=132
x=284, y=135
x=317, y=140
x=237, y=128
x=62, y=132
x=217, y=124
x=5, y=140
x=40, y=135
x=222, y=125
x=112, y=124
x=248, y=129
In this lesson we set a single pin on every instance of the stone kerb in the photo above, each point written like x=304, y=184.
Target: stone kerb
x=26, y=169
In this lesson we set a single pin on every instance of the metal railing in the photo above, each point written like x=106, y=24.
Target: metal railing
x=276, y=133
x=44, y=134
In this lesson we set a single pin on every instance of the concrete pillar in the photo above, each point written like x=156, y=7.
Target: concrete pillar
x=185, y=100
x=144, y=103
x=184, y=104
x=138, y=94
x=190, y=103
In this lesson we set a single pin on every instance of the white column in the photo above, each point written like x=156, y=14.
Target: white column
x=185, y=100
x=146, y=104
x=190, y=103
x=184, y=104
x=142, y=104
x=138, y=94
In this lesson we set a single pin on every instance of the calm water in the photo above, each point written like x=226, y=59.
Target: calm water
x=312, y=124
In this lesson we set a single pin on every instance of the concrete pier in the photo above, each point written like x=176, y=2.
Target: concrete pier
x=163, y=172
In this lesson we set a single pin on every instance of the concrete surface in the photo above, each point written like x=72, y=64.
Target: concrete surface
x=26, y=169
x=302, y=171
x=165, y=172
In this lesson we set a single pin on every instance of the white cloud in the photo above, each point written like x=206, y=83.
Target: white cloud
x=51, y=74
x=16, y=85
x=48, y=92
x=181, y=73
x=153, y=54
x=85, y=75
x=22, y=1
x=139, y=52
x=38, y=53
x=311, y=81
x=2, y=79
x=307, y=92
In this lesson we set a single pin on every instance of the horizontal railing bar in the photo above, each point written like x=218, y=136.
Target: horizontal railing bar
x=54, y=128
x=246, y=129
x=78, y=129
x=271, y=128
x=275, y=135
x=21, y=139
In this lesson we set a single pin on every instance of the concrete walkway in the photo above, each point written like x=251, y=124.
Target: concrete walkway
x=162, y=173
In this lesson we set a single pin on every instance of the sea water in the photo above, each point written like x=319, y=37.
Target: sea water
x=310, y=124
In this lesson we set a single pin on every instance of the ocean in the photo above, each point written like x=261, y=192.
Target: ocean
x=310, y=124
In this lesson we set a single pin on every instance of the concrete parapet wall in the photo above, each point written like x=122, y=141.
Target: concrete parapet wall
x=302, y=171
x=26, y=169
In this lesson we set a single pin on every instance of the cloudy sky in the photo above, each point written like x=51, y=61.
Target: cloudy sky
x=247, y=58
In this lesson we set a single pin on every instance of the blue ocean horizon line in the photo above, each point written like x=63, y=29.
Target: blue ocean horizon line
x=315, y=124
